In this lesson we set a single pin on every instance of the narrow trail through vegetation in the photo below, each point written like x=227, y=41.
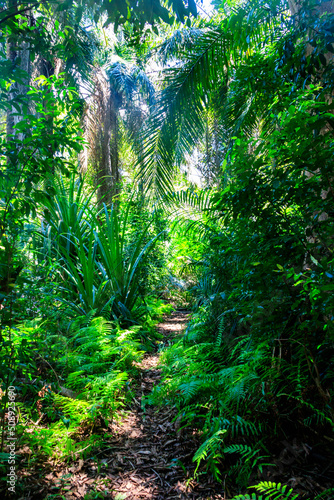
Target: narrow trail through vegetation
x=153, y=155
x=148, y=441
x=147, y=456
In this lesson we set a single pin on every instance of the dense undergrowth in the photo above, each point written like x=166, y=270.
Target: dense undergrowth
x=71, y=380
x=254, y=369
x=85, y=260
x=74, y=324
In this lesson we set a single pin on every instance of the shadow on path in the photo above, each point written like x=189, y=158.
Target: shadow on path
x=145, y=458
x=149, y=458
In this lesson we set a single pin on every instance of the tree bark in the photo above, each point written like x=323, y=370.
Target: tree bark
x=114, y=146
x=19, y=56
x=98, y=134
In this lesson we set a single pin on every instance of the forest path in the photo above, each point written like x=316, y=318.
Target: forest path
x=144, y=458
x=146, y=443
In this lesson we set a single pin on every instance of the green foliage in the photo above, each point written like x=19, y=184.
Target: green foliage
x=255, y=365
x=202, y=65
x=98, y=263
x=121, y=272
x=71, y=379
x=275, y=491
x=135, y=14
x=67, y=215
x=29, y=155
x=255, y=359
x=88, y=385
x=153, y=275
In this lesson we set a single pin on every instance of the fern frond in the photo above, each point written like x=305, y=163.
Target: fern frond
x=209, y=446
x=276, y=491
x=221, y=329
x=325, y=495
x=75, y=409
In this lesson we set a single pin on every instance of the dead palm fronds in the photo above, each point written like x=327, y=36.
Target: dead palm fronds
x=97, y=124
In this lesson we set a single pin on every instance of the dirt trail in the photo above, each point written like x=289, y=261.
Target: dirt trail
x=146, y=457
x=147, y=443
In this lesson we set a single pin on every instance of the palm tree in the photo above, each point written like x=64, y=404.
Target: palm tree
x=118, y=86
x=237, y=65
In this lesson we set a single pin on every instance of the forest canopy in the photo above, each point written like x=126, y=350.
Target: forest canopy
x=167, y=158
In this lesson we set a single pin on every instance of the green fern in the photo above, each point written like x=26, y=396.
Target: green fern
x=273, y=491
x=242, y=427
x=75, y=410
x=244, y=450
x=276, y=491
x=221, y=330
x=325, y=495
x=210, y=449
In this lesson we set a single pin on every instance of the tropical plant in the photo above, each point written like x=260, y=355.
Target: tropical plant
x=119, y=269
x=275, y=491
x=219, y=68
x=135, y=14
x=120, y=89
x=249, y=93
x=97, y=269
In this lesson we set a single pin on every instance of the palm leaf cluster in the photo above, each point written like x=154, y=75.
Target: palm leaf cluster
x=97, y=271
x=204, y=71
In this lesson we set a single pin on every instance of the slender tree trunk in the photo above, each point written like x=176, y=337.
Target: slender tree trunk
x=114, y=147
x=98, y=134
x=322, y=8
x=11, y=56
x=18, y=55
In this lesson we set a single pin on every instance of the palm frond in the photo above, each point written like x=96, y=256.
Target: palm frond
x=178, y=120
x=179, y=114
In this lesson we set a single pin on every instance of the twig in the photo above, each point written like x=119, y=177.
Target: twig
x=155, y=472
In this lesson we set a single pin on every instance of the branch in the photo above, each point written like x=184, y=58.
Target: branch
x=15, y=13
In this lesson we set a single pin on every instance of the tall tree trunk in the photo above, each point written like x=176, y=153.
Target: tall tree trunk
x=98, y=130
x=114, y=146
x=19, y=56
